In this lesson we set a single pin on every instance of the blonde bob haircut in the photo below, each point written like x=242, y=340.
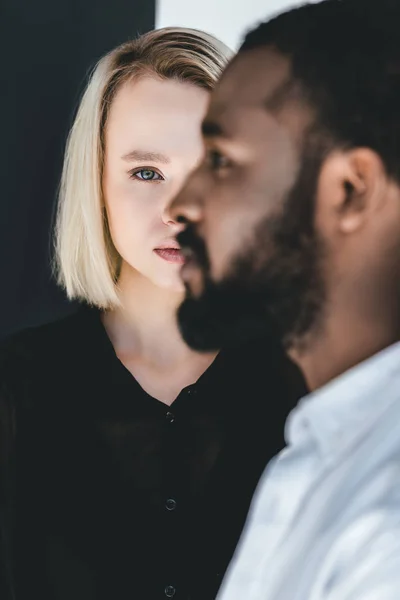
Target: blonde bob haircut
x=86, y=263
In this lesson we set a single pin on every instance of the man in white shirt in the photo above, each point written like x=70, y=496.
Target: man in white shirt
x=293, y=226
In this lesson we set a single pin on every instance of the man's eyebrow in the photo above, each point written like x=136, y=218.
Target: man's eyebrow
x=212, y=129
x=146, y=156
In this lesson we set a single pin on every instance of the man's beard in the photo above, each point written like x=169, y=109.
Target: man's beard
x=274, y=288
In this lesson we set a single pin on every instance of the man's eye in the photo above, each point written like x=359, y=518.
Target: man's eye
x=146, y=175
x=217, y=161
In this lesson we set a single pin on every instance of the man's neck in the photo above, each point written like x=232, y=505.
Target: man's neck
x=339, y=346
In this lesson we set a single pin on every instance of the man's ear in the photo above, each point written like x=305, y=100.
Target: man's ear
x=352, y=186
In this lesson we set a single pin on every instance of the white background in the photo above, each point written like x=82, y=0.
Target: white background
x=226, y=19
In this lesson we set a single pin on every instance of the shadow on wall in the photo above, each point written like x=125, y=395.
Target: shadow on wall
x=48, y=47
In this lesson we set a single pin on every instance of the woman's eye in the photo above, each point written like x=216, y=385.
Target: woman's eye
x=217, y=160
x=146, y=175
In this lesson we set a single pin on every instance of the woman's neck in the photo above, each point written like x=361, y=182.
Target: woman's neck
x=146, y=339
x=145, y=326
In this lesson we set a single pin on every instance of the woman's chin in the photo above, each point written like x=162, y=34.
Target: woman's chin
x=174, y=285
x=177, y=288
x=169, y=281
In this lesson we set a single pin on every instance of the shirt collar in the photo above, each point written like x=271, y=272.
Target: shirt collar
x=343, y=410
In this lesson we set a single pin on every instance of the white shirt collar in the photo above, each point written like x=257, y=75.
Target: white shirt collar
x=339, y=413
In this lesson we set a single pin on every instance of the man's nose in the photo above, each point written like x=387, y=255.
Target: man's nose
x=187, y=206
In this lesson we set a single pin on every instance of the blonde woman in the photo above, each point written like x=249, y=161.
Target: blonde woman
x=128, y=460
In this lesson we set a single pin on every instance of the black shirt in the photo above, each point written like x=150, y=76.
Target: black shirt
x=106, y=492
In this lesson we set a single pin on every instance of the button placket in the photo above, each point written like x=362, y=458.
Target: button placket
x=170, y=417
x=170, y=503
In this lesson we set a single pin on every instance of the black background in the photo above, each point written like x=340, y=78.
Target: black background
x=47, y=49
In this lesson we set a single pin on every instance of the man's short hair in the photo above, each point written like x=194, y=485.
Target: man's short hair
x=345, y=56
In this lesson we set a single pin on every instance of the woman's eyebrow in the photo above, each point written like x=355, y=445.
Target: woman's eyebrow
x=145, y=155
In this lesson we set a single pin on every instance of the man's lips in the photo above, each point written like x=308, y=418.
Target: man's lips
x=189, y=254
x=192, y=266
x=192, y=273
x=193, y=248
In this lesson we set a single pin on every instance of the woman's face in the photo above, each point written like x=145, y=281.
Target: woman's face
x=152, y=142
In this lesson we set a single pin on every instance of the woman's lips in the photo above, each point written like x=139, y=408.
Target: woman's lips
x=171, y=255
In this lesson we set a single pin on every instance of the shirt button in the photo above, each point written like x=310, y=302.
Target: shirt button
x=170, y=504
x=170, y=417
x=191, y=391
x=170, y=591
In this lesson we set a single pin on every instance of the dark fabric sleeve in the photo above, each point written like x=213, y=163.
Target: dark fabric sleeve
x=7, y=479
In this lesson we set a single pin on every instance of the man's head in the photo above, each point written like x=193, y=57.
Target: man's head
x=295, y=210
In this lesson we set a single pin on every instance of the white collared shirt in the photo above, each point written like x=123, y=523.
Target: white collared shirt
x=325, y=520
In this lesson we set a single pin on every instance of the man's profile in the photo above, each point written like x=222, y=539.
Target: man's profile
x=293, y=226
